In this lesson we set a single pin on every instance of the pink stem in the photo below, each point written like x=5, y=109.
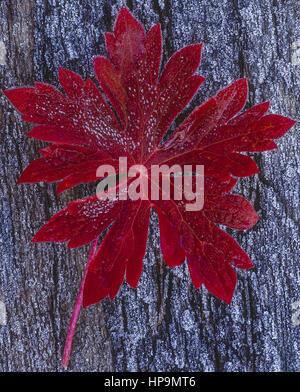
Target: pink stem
x=77, y=308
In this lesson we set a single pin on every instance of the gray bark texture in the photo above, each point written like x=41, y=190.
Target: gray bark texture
x=164, y=325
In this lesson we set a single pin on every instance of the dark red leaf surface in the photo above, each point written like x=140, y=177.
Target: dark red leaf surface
x=139, y=104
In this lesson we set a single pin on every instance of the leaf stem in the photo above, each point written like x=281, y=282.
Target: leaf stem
x=77, y=308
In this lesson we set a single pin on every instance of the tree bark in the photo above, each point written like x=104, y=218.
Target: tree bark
x=164, y=325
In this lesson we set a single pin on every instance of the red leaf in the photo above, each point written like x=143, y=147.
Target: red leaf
x=231, y=100
x=122, y=249
x=72, y=83
x=80, y=223
x=87, y=135
x=169, y=241
x=72, y=164
x=231, y=210
x=87, y=132
x=139, y=238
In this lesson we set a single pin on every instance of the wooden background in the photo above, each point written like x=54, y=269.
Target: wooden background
x=165, y=325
